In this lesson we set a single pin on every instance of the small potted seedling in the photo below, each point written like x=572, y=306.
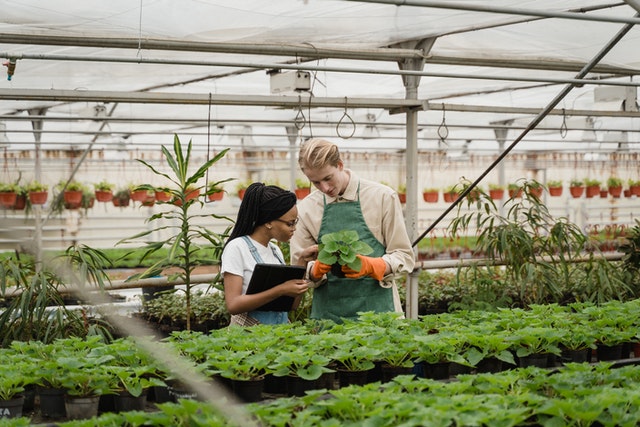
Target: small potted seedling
x=341, y=248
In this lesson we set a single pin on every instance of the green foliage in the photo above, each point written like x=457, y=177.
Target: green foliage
x=302, y=183
x=342, y=247
x=184, y=233
x=104, y=185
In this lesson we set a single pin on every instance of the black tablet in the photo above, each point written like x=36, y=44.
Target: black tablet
x=266, y=276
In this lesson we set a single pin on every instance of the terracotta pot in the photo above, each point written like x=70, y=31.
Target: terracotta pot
x=402, y=197
x=72, y=197
x=139, y=195
x=592, y=191
x=430, y=196
x=21, y=202
x=449, y=197
x=496, y=194
x=635, y=190
x=213, y=197
x=104, y=195
x=515, y=193
x=241, y=193
x=301, y=193
x=555, y=191
x=38, y=197
x=8, y=199
x=615, y=192
x=163, y=196
x=576, y=192
x=627, y=192
x=536, y=192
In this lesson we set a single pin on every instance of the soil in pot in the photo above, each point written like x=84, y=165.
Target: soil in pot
x=336, y=270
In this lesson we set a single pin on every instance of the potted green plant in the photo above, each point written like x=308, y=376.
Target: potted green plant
x=555, y=187
x=104, y=190
x=634, y=187
x=38, y=192
x=430, y=194
x=576, y=187
x=496, y=191
x=614, y=186
x=514, y=189
x=341, y=248
x=402, y=192
x=215, y=190
x=303, y=188
x=183, y=237
x=241, y=187
x=8, y=194
x=592, y=187
x=121, y=198
x=15, y=374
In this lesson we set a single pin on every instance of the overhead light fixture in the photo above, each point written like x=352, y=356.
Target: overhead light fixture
x=289, y=81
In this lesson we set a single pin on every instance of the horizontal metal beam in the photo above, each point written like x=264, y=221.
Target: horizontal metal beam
x=601, y=81
x=52, y=95
x=394, y=105
x=297, y=51
x=488, y=7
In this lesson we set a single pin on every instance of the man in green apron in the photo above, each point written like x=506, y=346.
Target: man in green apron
x=346, y=202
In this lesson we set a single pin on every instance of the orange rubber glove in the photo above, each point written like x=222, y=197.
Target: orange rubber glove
x=372, y=267
x=319, y=269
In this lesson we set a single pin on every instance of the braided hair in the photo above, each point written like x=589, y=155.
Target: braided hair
x=261, y=203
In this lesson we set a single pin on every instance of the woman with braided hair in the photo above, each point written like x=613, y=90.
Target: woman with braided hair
x=267, y=213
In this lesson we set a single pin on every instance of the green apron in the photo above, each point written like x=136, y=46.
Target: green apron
x=343, y=297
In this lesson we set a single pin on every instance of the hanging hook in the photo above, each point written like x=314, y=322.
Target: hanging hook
x=353, y=124
x=299, y=120
x=443, y=130
x=563, y=127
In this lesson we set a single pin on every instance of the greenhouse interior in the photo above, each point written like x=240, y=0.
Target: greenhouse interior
x=508, y=130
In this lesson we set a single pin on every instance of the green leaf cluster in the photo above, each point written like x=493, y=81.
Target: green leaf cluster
x=342, y=247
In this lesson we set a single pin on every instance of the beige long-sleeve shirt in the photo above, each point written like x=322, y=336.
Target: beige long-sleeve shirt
x=383, y=214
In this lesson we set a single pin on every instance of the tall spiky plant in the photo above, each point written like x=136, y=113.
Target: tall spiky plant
x=183, y=238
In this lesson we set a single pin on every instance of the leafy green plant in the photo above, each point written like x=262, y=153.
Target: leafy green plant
x=342, y=247
x=36, y=186
x=576, y=182
x=302, y=183
x=614, y=181
x=104, y=185
x=554, y=183
x=185, y=235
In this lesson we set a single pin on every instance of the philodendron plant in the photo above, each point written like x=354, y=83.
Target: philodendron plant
x=342, y=247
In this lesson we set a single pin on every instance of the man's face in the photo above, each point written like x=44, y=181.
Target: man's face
x=331, y=180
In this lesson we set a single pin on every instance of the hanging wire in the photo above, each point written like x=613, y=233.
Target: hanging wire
x=563, y=127
x=443, y=130
x=206, y=179
x=299, y=120
x=347, y=116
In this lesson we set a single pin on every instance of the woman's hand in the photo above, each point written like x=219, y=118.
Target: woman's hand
x=294, y=287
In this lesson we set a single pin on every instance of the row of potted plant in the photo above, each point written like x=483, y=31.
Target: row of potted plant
x=590, y=187
x=576, y=394
x=92, y=367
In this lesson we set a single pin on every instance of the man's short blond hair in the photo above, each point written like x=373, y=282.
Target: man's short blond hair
x=317, y=153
